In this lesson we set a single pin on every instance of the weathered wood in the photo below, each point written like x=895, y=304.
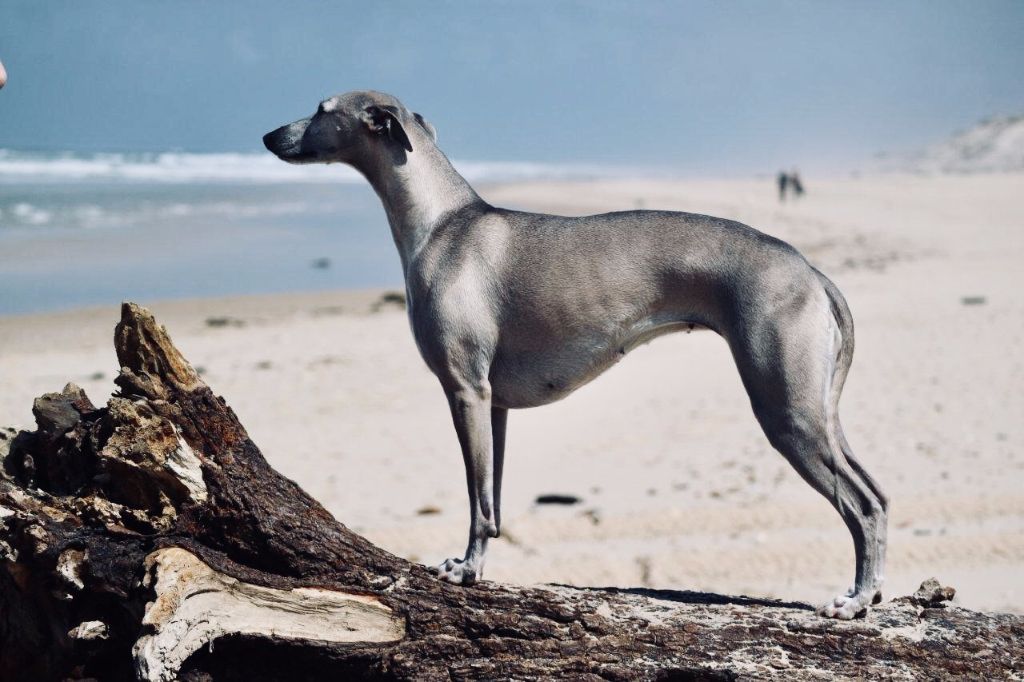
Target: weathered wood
x=149, y=538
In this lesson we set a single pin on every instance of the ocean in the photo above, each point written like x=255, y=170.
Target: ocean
x=91, y=229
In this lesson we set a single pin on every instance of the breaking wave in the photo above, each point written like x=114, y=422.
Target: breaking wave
x=183, y=167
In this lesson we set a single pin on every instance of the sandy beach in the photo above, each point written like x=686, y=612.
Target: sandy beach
x=678, y=487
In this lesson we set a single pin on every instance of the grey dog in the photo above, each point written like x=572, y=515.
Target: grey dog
x=512, y=309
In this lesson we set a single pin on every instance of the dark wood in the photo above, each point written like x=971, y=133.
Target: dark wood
x=95, y=490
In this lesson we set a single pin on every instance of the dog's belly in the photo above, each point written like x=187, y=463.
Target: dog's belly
x=529, y=379
x=524, y=375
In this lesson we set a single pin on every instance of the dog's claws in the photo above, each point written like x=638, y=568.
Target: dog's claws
x=844, y=607
x=457, y=572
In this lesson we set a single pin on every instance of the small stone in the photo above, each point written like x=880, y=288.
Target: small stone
x=932, y=593
x=224, y=322
x=557, y=499
x=390, y=298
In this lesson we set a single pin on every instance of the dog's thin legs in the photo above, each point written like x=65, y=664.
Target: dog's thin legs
x=793, y=375
x=808, y=449
x=844, y=356
x=471, y=413
x=883, y=500
x=499, y=420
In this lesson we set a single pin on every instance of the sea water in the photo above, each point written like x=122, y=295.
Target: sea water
x=91, y=229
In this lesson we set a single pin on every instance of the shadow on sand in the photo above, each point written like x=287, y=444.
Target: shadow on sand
x=691, y=597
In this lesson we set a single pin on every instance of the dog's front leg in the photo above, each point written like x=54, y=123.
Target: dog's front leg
x=499, y=420
x=471, y=412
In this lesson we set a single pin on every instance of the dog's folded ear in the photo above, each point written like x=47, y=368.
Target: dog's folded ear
x=384, y=120
x=426, y=126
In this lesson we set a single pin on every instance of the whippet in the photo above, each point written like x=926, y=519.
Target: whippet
x=512, y=310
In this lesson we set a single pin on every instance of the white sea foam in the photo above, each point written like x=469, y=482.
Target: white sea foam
x=174, y=167
x=181, y=167
x=21, y=214
x=28, y=214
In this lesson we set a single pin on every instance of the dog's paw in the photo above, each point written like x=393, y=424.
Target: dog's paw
x=845, y=607
x=457, y=571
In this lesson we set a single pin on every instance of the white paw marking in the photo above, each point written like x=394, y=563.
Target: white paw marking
x=457, y=572
x=845, y=607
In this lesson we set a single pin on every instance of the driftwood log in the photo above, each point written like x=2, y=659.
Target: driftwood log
x=150, y=539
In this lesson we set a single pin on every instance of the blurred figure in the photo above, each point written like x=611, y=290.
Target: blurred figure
x=3, y=75
x=798, y=187
x=783, y=183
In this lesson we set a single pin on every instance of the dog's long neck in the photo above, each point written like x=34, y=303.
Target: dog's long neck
x=418, y=194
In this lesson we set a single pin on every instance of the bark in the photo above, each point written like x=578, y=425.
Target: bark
x=149, y=539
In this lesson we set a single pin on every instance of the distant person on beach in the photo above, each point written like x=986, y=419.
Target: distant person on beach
x=3, y=75
x=790, y=182
x=798, y=187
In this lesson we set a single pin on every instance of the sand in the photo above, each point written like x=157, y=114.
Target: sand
x=678, y=487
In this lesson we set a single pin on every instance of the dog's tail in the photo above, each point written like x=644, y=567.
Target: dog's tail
x=844, y=322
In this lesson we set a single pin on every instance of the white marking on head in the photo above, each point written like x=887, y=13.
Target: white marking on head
x=330, y=104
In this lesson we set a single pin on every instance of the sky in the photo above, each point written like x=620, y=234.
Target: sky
x=707, y=86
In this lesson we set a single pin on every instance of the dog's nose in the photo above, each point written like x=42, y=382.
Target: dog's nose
x=276, y=140
x=286, y=141
x=268, y=139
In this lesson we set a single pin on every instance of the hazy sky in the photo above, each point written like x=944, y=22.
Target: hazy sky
x=700, y=86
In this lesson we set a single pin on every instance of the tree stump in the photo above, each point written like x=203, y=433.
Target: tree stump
x=149, y=539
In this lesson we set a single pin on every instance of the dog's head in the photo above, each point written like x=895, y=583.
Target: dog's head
x=348, y=128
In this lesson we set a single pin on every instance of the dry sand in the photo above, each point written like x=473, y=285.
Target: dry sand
x=679, y=488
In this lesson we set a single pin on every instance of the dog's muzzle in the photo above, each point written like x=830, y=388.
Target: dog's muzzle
x=286, y=142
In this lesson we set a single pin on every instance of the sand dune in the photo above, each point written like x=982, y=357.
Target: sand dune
x=678, y=486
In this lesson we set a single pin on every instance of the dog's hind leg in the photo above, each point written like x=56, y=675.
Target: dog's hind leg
x=471, y=414
x=793, y=362
x=883, y=500
x=844, y=321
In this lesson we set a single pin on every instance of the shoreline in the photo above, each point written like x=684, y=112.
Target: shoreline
x=20, y=331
